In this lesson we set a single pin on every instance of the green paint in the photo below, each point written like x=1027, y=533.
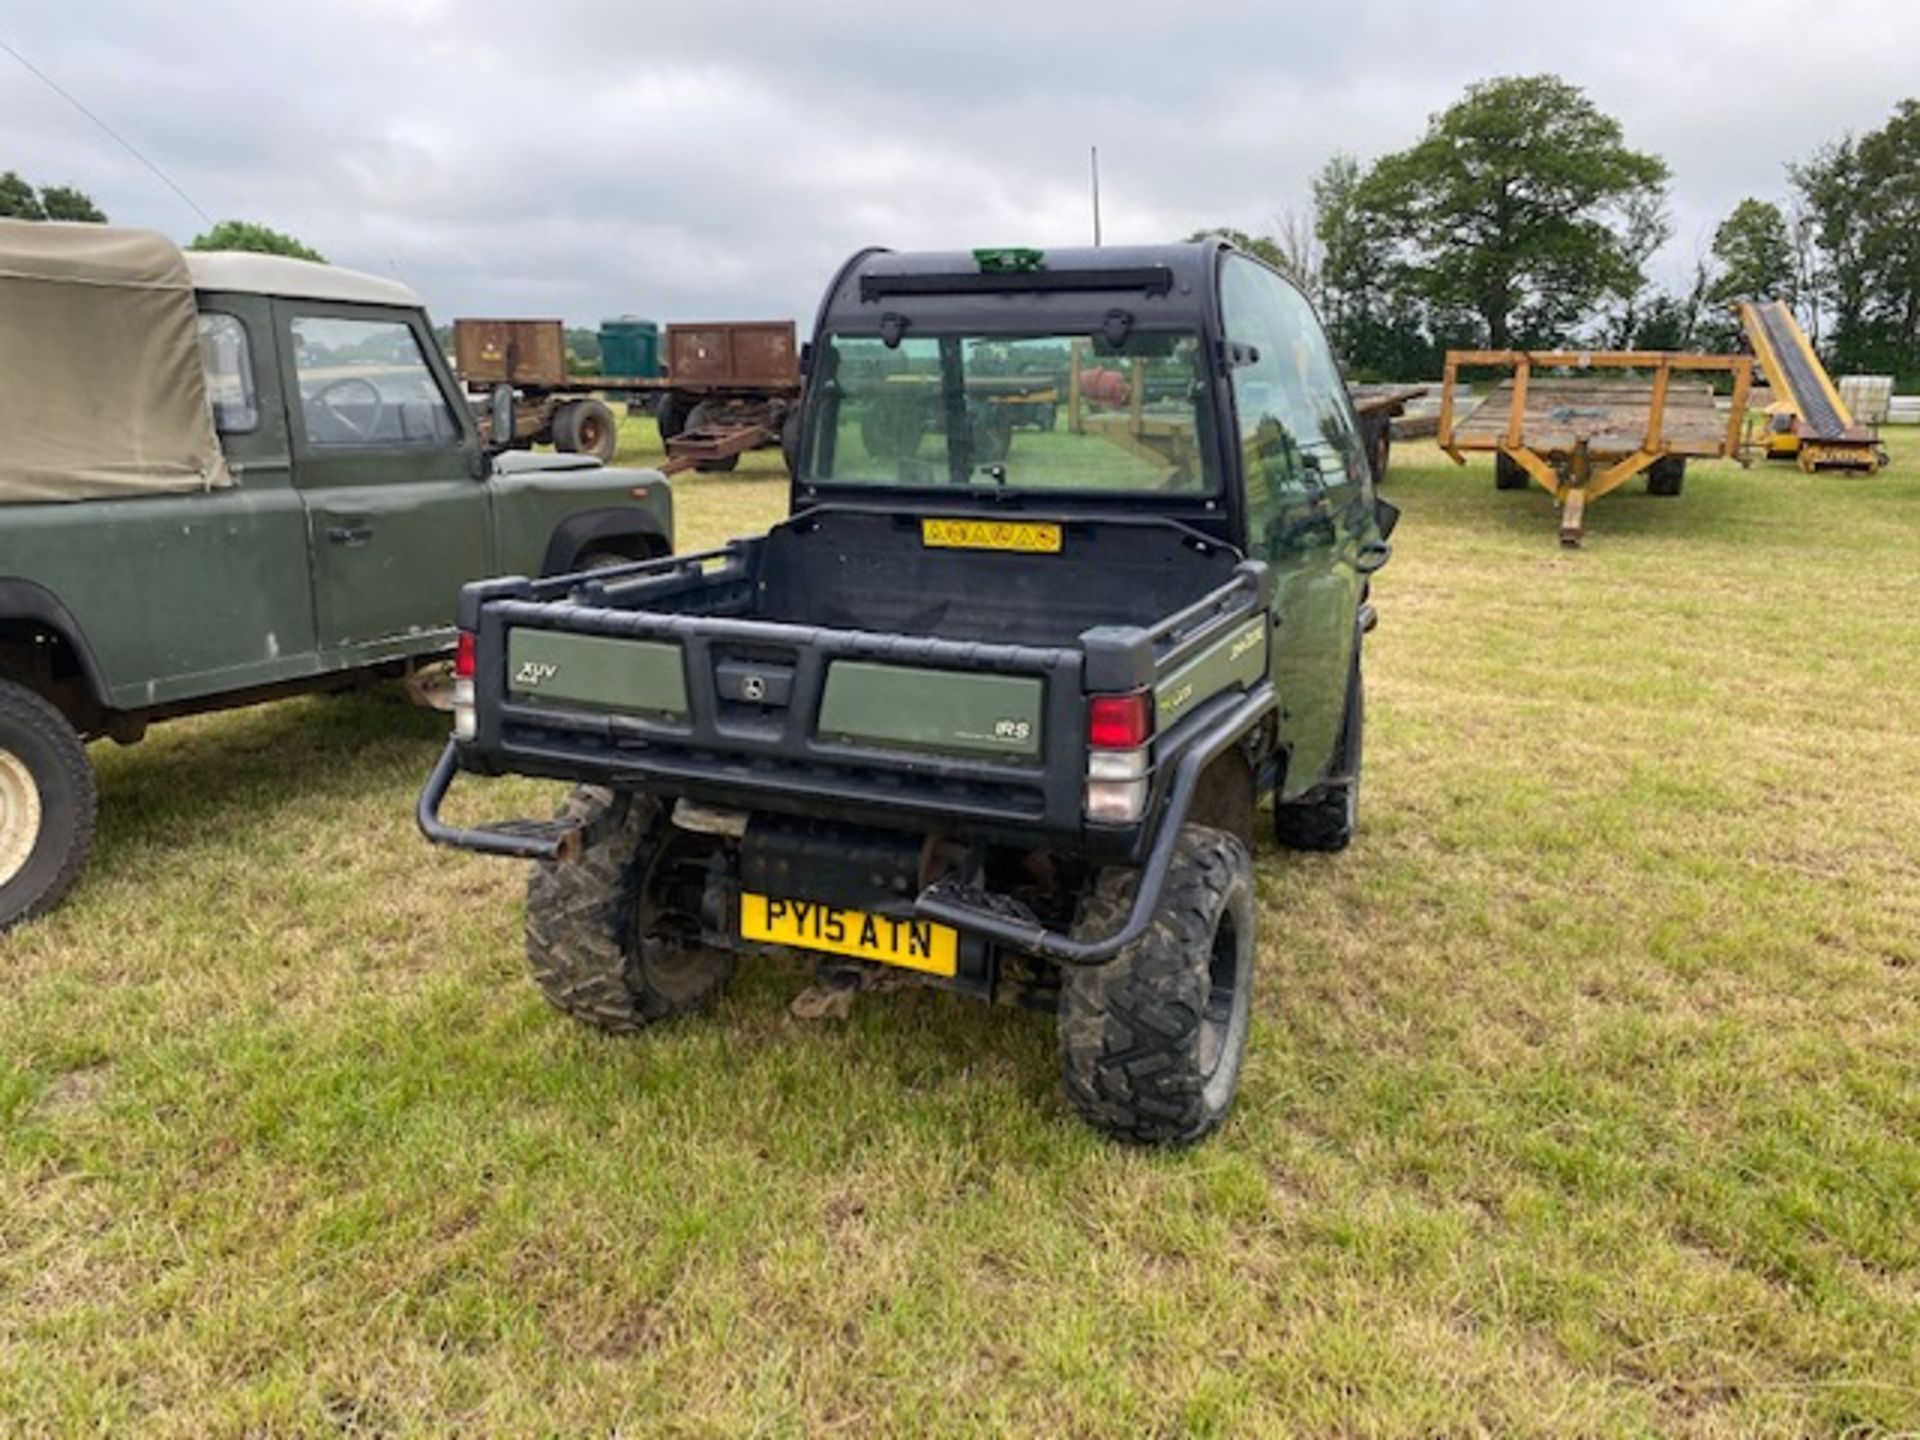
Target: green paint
x=641, y=677
x=1009, y=260
x=1236, y=659
x=932, y=709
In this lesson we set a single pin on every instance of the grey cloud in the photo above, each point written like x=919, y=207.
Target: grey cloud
x=587, y=160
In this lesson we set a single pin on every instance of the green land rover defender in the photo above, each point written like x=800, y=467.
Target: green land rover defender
x=226, y=478
x=1074, y=578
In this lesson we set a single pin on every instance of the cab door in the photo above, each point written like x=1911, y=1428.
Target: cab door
x=1309, y=502
x=397, y=506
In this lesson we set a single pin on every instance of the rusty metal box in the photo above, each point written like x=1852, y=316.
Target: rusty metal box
x=753, y=353
x=521, y=352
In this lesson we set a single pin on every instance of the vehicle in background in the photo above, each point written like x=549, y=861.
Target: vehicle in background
x=226, y=478
x=994, y=707
x=726, y=387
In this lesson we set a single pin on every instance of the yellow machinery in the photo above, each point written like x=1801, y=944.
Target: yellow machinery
x=1578, y=435
x=1819, y=429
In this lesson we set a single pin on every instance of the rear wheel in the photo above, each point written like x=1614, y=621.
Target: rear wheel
x=1508, y=473
x=1326, y=820
x=609, y=939
x=47, y=805
x=1152, y=1042
x=671, y=415
x=585, y=427
x=1666, y=475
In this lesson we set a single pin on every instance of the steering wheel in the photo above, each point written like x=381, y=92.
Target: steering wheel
x=365, y=428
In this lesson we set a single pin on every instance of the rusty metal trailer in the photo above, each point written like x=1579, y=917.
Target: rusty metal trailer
x=1579, y=435
x=729, y=387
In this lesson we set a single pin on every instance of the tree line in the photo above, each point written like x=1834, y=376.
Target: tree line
x=1521, y=218
x=21, y=200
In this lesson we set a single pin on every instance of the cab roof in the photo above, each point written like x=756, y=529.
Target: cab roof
x=1065, y=287
x=234, y=270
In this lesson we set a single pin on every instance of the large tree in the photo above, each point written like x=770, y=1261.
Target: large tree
x=1862, y=195
x=246, y=235
x=19, y=201
x=1755, y=254
x=1511, y=208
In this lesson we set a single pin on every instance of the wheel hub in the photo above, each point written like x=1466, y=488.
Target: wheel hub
x=19, y=815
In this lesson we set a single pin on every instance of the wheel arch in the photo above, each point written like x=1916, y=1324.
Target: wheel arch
x=626, y=530
x=32, y=616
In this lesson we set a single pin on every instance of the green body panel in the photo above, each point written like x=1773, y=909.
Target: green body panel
x=939, y=710
x=1234, y=661
x=644, y=677
x=314, y=562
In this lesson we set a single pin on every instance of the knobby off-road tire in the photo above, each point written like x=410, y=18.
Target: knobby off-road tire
x=1666, y=475
x=1152, y=1042
x=1509, y=473
x=47, y=805
x=592, y=941
x=1327, y=820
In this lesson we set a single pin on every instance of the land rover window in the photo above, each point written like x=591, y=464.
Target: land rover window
x=366, y=383
x=1076, y=413
x=228, y=360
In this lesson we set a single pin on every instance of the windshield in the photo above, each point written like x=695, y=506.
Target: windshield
x=1054, y=412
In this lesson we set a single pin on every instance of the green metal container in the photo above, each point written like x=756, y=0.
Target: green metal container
x=630, y=346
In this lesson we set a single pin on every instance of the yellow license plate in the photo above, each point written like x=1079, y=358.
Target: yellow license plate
x=910, y=944
x=1029, y=536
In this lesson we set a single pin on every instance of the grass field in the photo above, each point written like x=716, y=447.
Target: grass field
x=1584, y=1095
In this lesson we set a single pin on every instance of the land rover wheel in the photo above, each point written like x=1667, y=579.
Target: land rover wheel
x=1327, y=818
x=608, y=938
x=1151, y=1043
x=586, y=427
x=47, y=805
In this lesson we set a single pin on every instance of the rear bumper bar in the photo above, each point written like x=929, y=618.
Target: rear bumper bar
x=990, y=917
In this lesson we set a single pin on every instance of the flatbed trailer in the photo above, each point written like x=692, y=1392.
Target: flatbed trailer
x=1580, y=435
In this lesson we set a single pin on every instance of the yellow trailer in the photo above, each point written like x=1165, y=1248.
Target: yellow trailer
x=1561, y=422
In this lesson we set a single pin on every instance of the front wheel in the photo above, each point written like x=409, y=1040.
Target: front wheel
x=607, y=938
x=1152, y=1042
x=47, y=805
x=1509, y=473
x=586, y=427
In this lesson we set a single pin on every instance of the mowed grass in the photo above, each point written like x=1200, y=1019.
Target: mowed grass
x=1584, y=1095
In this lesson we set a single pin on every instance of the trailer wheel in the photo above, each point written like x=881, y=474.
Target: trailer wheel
x=1152, y=1042
x=1326, y=820
x=1509, y=473
x=671, y=414
x=47, y=805
x=604, y=939
x=585, y=427
x=703, y=416
x=1666, y=475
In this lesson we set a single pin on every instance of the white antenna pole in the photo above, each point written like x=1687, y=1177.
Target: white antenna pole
x=1094, y=159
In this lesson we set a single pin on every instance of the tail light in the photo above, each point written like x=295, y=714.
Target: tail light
x=1118, y=729
x=463, y=663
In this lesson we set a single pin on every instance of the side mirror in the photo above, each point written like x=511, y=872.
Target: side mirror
x=500, y=414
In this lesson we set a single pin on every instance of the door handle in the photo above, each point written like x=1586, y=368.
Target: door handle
x=350, y=534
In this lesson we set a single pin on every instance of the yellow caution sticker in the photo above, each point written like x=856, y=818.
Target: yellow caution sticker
x=1032, y=537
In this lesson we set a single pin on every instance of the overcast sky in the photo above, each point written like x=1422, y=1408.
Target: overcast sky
x=690, y=162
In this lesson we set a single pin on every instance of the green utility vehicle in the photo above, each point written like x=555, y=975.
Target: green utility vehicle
x=994, y=707
x=226, y=478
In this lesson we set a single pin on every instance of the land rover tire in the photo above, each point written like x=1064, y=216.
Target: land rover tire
x=1508, y=473
x=47, y=805
x=586, y=427
x=1666, y=475
x=1326, y=819
x=1152, y=1042
x=593, y=943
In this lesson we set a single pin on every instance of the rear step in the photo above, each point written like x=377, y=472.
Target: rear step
x=516, y=839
